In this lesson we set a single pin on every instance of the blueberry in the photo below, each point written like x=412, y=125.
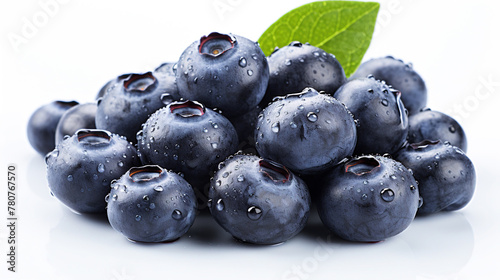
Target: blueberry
x=80, y=169
x=111, y=84
x=434, y=125
x=307, y=132
x=258, y=201
x=401, y=76
x=41, y=128
x=297, y=66
x=151, y=204
x=368, y=199
x=130, y=102
x=446, y=176
x=382, y=121
x=227, y=72
x=189, y=138
x=78, y=117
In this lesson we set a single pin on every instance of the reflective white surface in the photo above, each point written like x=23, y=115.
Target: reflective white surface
x=77, y=46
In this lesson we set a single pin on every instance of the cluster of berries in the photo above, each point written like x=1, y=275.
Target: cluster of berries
x=158, y=147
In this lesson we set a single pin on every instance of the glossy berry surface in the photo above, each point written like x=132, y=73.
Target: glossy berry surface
x=41, y=128
x=81, y=116
x=434, y=125
x=297, y=66
x=446, y=176
x=151, y=204
x=258, y=201
x=189, y=138
x=401, y=76
x=368, y=199
x=81, y=168
x=382, y=121
x=227, y=72
x=307, y=132
x=130, y=101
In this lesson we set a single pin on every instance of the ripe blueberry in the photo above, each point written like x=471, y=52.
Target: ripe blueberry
x=297, y=66
x=189, y=138
x=307, y=132
x=227, y=72
x=130, y=101
x=258, y=201
x=434, y=125
x=446, y=176
x=151, y=204
x=80, y=169
x=382, y=121
x=401, y=76
x=41, y=128
x=368, y=199
x=78, y=117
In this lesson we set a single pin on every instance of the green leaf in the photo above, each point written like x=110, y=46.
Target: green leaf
x=343, y=28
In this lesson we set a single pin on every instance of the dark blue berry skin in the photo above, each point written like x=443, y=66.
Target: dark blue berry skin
x=297, y=66
x=368, y=199
x=307, y=132
x=81, y=168
x=151, y=204
x=130, y=101
x=382, y=120
x=227, y=72
x=258, y=201
x=434, y=125
x=41, y=128
x=187, y=137
x=446, y=176
x=77, y=117
x=401, y=76
x=245, y=126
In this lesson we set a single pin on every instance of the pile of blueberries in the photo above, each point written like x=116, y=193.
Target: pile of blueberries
x=258, y=141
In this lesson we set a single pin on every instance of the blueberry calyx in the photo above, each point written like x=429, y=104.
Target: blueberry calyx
x=275, y=171
x=362, y=165
x=92, y=137
x=423, y=144
x=187, y=109
x=139, y=82
x=215, y=44
x=145, y=173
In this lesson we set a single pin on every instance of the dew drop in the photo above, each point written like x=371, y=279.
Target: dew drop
x=114, y=197
x=250, y=72
x=254, y=213
x=219, y=205
x=275, y=127
x=420, y=201
x=70, y=177
x=293, y=125
x=387, y=194
x=218, y=183
x=166, y=98
x=364, y=196
x=452, y=129
x=120, y=163
x=158, y=188
x=312, y=117
x=106, y=198
x=288, y=62
x=242, y=62
x=100, y=168
x=225, y=174
x=214, y=145
x=152, y=205
x=393, y=177
x=138, y=217
x=241, y=178
x=205, y=130
x=413, y=188
x=176, y=214
x=145, y=198
x=385, y=102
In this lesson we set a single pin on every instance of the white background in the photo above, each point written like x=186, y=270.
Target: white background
x=77, y=46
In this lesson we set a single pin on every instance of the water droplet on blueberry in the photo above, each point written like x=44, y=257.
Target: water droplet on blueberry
x=242, y=62
x=312, y=117
x=138, y=217
x=158, y=188
x=100, y=168
x=275, y=127
x=70, y=177
x=176, y=214
x=219, y=205
x=254, y=213
x=387, y=194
